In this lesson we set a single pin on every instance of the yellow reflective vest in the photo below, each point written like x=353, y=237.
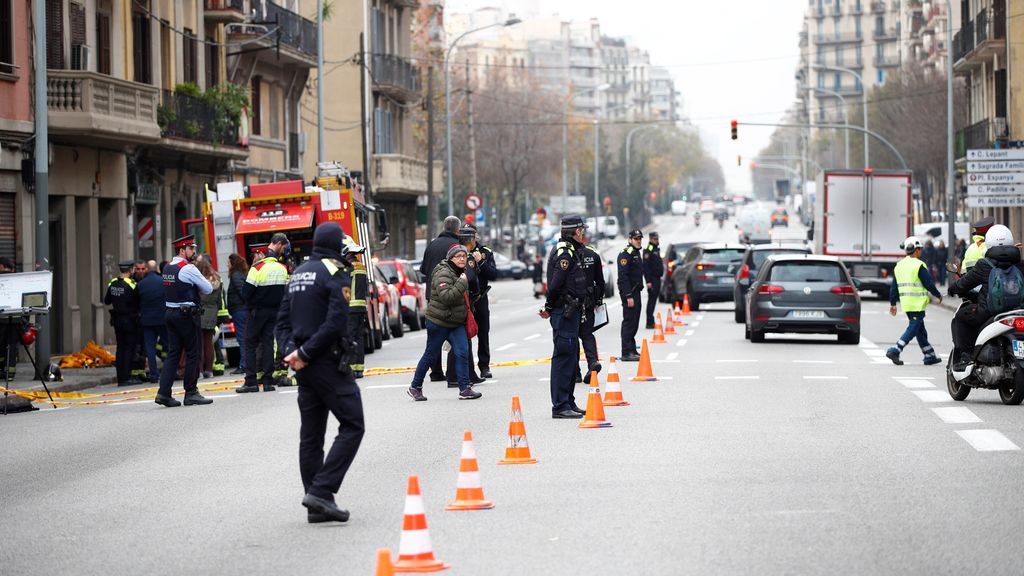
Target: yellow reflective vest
x=913, y=295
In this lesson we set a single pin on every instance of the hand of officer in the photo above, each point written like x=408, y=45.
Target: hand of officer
x=629, y=302
x=649, y=285
x=892, y=310
x=478, y=256
x=544, y=314
x=294, y=361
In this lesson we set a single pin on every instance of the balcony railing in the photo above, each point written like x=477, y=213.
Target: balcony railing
x=395, y=72
x=192, y=118
x=839, y=38
x=977, y=136
x=89, y=104
x=296, y=31
x=885, y=34
x=878, y=7
x=397, y=173
x=224, y=6
x=981, y=26
x=886, y=61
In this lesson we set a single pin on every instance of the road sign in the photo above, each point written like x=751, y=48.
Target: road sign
x=995, y=201
x=145, y=232
x=996, y=178
x=473, y=202
x=994, y=189
x=1006, y=154
x=997, y=166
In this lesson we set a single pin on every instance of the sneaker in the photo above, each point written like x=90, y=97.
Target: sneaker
x=469, y=394
x=268, y=388
x=416, y=394
x=207, y=374
x=931, y=360
x=894, y=355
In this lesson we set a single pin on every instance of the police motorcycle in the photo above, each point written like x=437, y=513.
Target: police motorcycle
x=998, y=362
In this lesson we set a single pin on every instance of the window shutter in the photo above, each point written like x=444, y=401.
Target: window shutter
x=103, y=43
x=55, y=34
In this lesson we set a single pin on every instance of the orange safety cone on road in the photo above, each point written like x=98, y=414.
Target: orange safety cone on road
x=384, y=566
x=415, y=552
x=469, y=491
x=613, y=393
x=594, y=417
x=677, y=317
x=686, y=304
x=659, y=336
x=670, y=325
x=644, y=372
x=518, y=450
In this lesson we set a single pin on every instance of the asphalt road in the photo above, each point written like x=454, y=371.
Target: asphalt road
x=796, y=456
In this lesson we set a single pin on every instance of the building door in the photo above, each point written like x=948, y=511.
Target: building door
x=57, y=306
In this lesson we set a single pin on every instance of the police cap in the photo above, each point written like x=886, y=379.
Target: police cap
x=254, y=248
x=573, y=221
x=126, y=265
x=467, y=231
x=652, y=235
x=185, y=241
x=636, y=233
x=984, y=224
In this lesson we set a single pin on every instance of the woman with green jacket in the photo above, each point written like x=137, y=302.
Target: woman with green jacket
x=446, y=320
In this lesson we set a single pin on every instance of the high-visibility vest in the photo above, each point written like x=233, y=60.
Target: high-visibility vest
x=913, y=295
x=974, y=252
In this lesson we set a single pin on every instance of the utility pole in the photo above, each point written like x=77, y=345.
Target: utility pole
x=472, y=134
x=320, y=80
x=432, y=216
x=42, y=153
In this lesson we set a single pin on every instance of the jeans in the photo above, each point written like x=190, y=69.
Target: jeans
x=916, y=329
x=239, y=316
x=436, y=336
x=150, y=334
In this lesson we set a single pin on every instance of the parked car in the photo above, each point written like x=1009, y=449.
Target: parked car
x=508, y=268
x=707, y=273
x=752, y=262
x=780, y=217
x=803, y=294
x=609, y=278
x=679, y=207
x=412, y=293
x=388, y=305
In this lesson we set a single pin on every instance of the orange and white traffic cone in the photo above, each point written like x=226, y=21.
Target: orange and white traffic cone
x=686, y=304
x=644, y=372
x=384, y=566
x=670, y=325
x=659, y=336
x=469, y=492
x=677, y=315
x=415, y=552
x=613, y=393
x=594, y=417
x=518, y=450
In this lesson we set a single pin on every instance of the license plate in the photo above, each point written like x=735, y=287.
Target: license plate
x=865, y=271
x=726, y=280
x=808, y=313
x=1018, y=349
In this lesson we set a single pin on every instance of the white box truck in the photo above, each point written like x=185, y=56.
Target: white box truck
x=863, y=217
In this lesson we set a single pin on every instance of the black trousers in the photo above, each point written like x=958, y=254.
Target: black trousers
x=967, y=324
x=183, y=338
x=630, y=323
x=323, y=390
x=588, y=339
x=652, y=300
x=10, y=341
x=565, y=334
x=259, y=345
x=357, y=331
x=482, y=310
x=126, y=334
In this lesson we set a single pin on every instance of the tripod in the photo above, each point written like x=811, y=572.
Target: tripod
x=11, y=316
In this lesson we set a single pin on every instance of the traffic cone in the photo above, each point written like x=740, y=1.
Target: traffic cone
x=670, y=325
x=518, y=450
x=613, y=393
x=659, y=336
x=384, y=566
x=415, y=553
x=677, y=317
x=594, y=417
x=469, y=492
x=644, y=372
x=686, y=304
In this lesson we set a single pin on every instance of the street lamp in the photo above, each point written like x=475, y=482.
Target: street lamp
x=846, y=118
x=863, y=100
x=565, y=138
x=629, y=139
x=950, y=194
x=448, y=97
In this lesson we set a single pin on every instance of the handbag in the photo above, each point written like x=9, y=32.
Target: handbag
x=471, y=327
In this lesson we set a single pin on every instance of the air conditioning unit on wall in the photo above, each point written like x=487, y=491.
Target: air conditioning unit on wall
x=79, y=57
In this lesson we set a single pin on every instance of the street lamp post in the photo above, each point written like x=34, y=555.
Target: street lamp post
x=950, y=193
x=448, y=98
x=565, y=138
x=629, y=139
x=846, y=120
x=863, y=100
x=597, y=176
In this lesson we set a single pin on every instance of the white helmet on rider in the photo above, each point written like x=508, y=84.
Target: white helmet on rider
x=998, y=235
x=911, y=244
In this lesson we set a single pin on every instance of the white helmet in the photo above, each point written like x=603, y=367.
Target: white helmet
x=911, y=244
x=998, y=235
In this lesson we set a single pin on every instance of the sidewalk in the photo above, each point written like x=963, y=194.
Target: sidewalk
x=75, y=379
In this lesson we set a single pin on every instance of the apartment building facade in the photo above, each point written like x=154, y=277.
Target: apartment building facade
x=16, y=121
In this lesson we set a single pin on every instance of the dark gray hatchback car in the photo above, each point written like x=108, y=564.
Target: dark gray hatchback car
x=805, y=294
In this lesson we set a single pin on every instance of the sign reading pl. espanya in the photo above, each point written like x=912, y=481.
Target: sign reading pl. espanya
x=1003, y=154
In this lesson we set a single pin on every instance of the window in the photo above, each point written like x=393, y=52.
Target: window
x=879, y=25
x=806, y=272
x=857, y=21
x=103, y=43
x=274, y=110
x=837, y=82
x=55, y=34
x=6, y=38
x=839, y=55
x=142, y=48
x=257, y=108
x=881, y=77
x=858, y=55
x=188, y=54
x=212, y=62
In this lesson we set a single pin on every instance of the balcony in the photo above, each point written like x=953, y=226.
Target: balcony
x=88, y=106
x=886, y=61
x=980, y=136
x=395, y=76
x=885, y=34
x=297, y=35
x=398, y=174
x=189, y=123
x=226, y=11
x=839, y=38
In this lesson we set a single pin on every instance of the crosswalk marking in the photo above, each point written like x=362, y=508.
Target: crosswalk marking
x=987, y=440
x=737, y=377
x=933, y=395
x=531, y=337
x=826, y=377
x=672, y=356
x=956, y=415
x=681, y=343
x=874, y=352
x=915, y=383
x=506, y=347
x=688, y=333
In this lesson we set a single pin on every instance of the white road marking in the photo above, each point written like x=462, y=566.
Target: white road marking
x=874, y=352
x=688, y=333
x=672, y=356
x=915, y=383
x=956, y=415
x=734, y=361
x=737, y=377
x=869, y=312
x=881, y=360
x=699, y=317
x=987, y=440
x=933, y=395
x=382, y=386
x=681, y=343
x=665, y=361
x=813, y=361
x=695, y=324
x=531, y=337
x=545, y=379
x=897, y=378
x=826, y=377
x=865, y=343
x=506, y=347
x=295, y=391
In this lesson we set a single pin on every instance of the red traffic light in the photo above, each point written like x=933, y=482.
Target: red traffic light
x=734, y=125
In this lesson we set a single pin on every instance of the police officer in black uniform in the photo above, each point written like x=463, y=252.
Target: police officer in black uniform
x=183, y=284
x=653, y=270
x=486, y=272
x=312, y=326
x=630, y=281
x=564, y=308
x=591, y=264
x=123, y=299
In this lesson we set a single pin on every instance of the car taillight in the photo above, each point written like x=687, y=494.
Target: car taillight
x=705, y=266
x=770, y=289
x=228, y=327
x=843, y=289
x=1017, y=322
x=744, y=272
x=885, y=273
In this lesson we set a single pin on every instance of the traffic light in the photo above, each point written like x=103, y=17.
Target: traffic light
x=739, y=160
x=734, y=125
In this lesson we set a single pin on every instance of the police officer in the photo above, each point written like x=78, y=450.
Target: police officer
x=263, y=291
x=183, y=284
x=976, y=249
x=357, y=319
x=312, y=326
x=653, y=270
x=564, y=308
x=592, y=266
x=123, y=299
x=467, y=237
x=630, y=281
x=486, y=271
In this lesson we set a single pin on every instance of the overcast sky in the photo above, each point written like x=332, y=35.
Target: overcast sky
x=730, y=59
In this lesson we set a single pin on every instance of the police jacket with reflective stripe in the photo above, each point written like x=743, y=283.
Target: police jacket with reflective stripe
x=314, y=313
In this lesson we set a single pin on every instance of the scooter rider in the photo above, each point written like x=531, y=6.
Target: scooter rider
x=1001, y=253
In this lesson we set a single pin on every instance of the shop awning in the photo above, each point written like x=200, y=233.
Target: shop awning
x=274, y=218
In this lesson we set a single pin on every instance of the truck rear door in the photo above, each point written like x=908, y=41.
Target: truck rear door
x=844, y=221
x=889, y=221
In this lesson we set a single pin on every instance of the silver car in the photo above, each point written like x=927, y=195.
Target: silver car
x=803, y=294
